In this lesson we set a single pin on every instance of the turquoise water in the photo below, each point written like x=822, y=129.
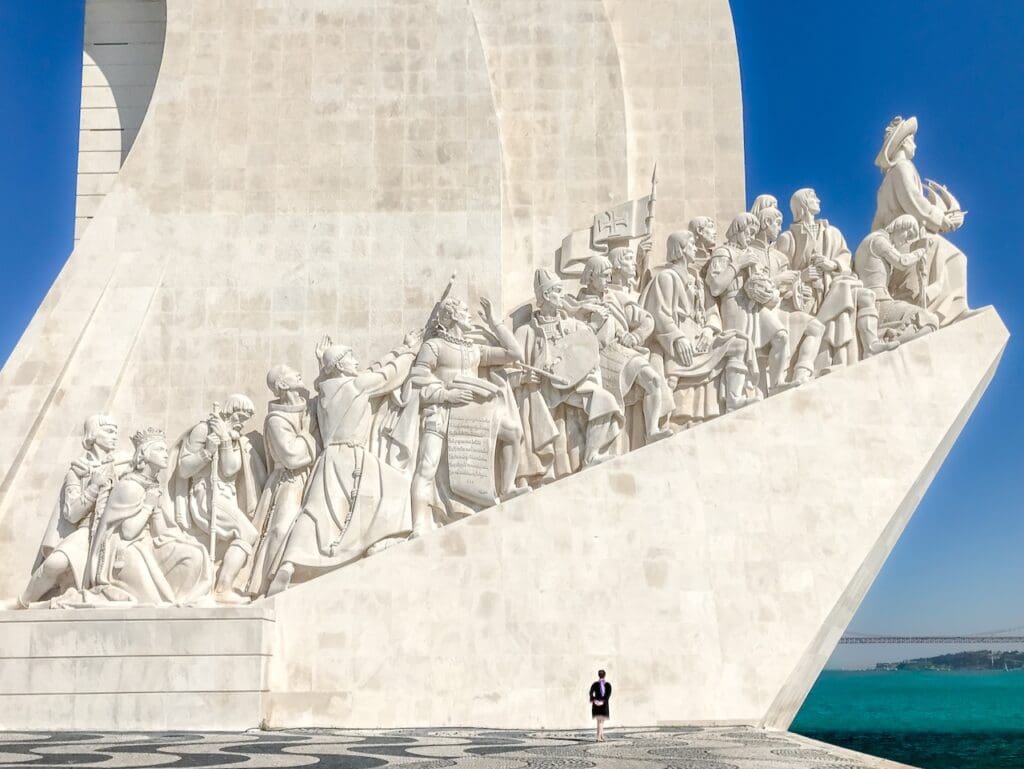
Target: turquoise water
x=925, y=719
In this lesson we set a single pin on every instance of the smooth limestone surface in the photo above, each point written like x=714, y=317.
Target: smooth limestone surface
x=318, y=166
x=711, y=573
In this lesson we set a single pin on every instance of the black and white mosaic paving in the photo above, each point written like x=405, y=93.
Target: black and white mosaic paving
x=653, y=748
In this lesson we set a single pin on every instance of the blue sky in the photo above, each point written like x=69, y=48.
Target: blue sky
x=821, y=80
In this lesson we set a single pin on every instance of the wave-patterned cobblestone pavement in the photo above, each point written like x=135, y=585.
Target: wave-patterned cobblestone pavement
x=653, y=748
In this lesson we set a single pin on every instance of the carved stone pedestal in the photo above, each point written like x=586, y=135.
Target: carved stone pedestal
x=133, y=669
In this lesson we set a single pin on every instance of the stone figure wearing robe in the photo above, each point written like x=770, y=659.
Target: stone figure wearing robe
x=880, y=259
x=623, y=327
x=353, y=500
x=791, y=293
x=624, y=269
x=64, y=550
x=446, y=380
x=138, y=554
x=939, y=282
x=748, y=298
x=567, y=428
x=818, y=252
x=707, y=369
x=290, y=450
x=232, y=493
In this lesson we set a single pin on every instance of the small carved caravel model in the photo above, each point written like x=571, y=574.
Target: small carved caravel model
x=613, y=353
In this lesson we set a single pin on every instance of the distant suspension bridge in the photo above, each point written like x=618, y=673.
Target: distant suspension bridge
x=1007, y=635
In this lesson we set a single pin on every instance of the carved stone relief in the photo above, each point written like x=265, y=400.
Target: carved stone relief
x=611, y=354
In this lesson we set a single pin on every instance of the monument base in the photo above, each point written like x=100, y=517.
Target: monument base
x=134, y=669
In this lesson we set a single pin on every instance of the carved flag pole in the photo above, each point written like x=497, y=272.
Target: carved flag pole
x=644, y=270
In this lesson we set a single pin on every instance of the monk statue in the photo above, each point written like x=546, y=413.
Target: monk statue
x=353, y=500
x=139, y=554
x=290, y=450
x=939, y=281
x=882, y=258
x=710, y=371
x=216, y=480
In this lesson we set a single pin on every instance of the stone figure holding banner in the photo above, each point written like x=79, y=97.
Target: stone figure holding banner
x=64, y=552
x=138, y=554
x=569, y=419
x=465, y=418
x=622, y=327
x=290, y=450
x=353, y=500
x=939, y=282
x=216, y=480
x=710, y=371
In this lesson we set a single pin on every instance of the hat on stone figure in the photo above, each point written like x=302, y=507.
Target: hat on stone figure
x=896, y=133
x=543, y=279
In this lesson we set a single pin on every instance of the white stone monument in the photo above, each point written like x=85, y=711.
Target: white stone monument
x=630, y=458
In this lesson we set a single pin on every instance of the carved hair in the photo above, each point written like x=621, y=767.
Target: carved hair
x=446, y=311
x=798, y=203
x=904, y=223
x=595, y=266
x=741, y=222
x=238, y=402
x=767, y=214
x=618, y=255
x=762, y=202
x=92, y=427
x=677, y=243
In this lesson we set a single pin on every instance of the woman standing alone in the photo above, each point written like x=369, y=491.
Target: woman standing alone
x=600, y=693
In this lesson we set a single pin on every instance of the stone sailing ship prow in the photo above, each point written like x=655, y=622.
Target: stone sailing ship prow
x=468, y=412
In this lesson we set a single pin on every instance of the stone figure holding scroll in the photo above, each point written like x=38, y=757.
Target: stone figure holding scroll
x=290, y=450
x=748, y=298
x=707, y=369
x=569, y=419
x=216, y=480
x=464, y=418
x=139, y=554
x=353, y=500
x=881, y=258
x=818, y=252
x=64, y=551
x=939, y=282
x=622, y=327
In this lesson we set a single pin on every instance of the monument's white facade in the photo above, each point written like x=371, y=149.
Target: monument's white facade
x=701, y=466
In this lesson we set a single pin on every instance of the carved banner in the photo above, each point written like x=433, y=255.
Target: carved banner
x=471, y=441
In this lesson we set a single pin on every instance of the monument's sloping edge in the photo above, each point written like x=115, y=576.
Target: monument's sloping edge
x=699, y=571
x=784, y=709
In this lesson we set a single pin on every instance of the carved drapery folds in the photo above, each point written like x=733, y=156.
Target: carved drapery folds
x=610, y=354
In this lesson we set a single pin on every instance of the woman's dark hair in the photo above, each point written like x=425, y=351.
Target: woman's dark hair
x=600, y=674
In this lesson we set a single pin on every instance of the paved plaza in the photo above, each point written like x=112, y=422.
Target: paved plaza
x=648, y=748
